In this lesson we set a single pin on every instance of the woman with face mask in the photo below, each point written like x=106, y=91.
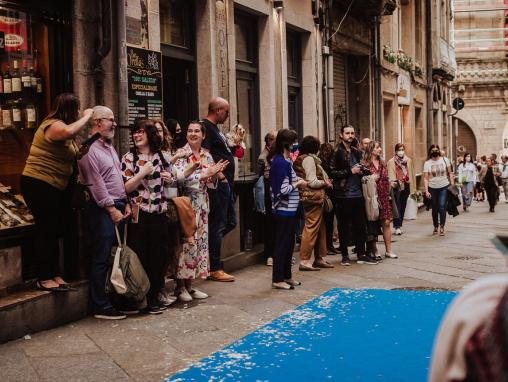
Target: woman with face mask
x=438, y=175
x=402, y=178
x=467, y=175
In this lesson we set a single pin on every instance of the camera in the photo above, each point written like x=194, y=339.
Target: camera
x=365, y=170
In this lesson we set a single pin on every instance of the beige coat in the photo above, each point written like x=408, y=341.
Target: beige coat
x=411, y=173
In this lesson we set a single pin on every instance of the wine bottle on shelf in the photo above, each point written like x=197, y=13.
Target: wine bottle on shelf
x=7, y=115
x=16, y=80
x=33, y=82
x=7, y=82
x=37, y=81
x=16, y=114
x=29, y=115
x=26, y=81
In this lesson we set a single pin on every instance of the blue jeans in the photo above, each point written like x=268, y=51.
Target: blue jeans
x=103, y=238
x=467, y=193
x=221, y=220
x=439, y=202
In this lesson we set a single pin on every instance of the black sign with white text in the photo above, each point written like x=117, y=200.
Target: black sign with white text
x=144, y=79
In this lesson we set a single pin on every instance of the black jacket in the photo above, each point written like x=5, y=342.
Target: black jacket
x=340, y=169
x=453, y=201
x=216, y=143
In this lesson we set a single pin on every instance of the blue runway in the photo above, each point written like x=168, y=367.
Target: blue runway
x=342, y=335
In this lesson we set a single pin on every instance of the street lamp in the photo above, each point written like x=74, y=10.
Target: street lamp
x=278, y=5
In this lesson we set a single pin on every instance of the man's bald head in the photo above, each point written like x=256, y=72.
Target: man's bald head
x=218, y=110
x=100, y=112
x=103, y=122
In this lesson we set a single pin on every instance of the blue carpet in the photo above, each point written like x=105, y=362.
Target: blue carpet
x=342, y=335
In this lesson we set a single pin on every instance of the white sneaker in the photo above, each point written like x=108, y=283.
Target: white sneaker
x=183, y=295
x=391, y=255
x=269, y=262
x=166, y=299
x=398, y=231
x=198, y=295
x=293, y=261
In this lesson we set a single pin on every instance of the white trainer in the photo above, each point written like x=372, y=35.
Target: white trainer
x=269, y=262
x=398, y=231
x=183, y=295
x=198, y=295
x=391, y=255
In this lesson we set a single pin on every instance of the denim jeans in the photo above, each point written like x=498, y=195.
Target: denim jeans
x=439, y=202
x=467, y=193
x=401, y=202
x=221, y=220
x=103, y=238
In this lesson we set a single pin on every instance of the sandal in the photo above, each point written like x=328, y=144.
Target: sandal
x=59, y=288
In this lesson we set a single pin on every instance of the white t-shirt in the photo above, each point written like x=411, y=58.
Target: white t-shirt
x=438, y=172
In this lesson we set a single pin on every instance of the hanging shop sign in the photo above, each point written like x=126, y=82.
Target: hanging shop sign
x=404, y=88
x=14, y=28
x=144, y=78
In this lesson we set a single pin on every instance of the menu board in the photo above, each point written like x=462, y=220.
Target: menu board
x=144, y=79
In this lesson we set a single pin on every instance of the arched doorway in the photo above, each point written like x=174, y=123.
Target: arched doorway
x=466, y=140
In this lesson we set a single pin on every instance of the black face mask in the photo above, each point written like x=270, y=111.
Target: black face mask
x=434, y=154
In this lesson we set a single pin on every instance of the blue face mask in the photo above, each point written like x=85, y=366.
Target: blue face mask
x=294, y=147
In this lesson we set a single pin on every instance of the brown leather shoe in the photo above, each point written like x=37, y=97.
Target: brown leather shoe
x=322, y=264
x=306, y=268
x=221, y=276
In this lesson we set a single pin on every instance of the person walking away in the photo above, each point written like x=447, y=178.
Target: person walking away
x=503, y=169
x=346, y=173
x=372, y=160
x=45, y=183
x=146, y=172
x=222, y=216
x=490, y=184
x=438, y=175
x=467, y=175
x=325, y=154
x=308, y=167
x=193, y=261
x=402, y=175
x=100, y=169
x=284, y=185
x=264, y=171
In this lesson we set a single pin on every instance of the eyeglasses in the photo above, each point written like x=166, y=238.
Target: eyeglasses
x=139, y=132
x=112, y=120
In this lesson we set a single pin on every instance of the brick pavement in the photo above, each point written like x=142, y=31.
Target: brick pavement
x=146, y=348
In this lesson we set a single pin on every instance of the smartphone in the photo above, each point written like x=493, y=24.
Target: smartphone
x=501, y=243
x=135, y=213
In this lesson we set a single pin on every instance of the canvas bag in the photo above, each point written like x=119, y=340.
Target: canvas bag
x=369, y=188
x=134, y=276
x=411, y=211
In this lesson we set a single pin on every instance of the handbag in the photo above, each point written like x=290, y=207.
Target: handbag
x=259, y=195
x=411, y=209
x=395, y=209
x=312, y=197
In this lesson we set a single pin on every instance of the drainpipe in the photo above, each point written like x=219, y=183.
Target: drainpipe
x=377, y=80
x=123, y=106
x=328, y=88
x=428, y=53
x=103, y=49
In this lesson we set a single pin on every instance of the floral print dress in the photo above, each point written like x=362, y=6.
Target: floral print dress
x=383, y=191
x=193, y=262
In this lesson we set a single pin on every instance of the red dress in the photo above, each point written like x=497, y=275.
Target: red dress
x=383, y=191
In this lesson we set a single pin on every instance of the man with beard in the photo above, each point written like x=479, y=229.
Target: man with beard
x=346, y=173
x=100, y=169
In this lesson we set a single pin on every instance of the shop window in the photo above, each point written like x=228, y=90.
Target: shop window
x=247, y=95
x=174, y=22
x=294, y=77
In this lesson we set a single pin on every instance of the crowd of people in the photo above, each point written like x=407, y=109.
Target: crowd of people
x=310, y=188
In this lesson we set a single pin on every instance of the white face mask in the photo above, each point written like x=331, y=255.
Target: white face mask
x=468, y=159
x=400, y=153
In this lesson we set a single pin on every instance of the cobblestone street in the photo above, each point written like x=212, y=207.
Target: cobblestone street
x=151, y=347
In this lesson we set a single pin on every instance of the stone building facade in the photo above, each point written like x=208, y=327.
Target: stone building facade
x=482, y=77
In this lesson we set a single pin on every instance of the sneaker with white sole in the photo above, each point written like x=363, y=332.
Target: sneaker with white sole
x=398, y=231
x=197, y=294
x=391, y=255
x=183, y=295
x=269, y=262
x=166, y=299
x=110, y=314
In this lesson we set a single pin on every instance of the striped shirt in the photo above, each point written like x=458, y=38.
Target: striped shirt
x=285, y=197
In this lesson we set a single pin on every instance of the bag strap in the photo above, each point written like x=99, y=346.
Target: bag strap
x=118, y=236
x=125, y=236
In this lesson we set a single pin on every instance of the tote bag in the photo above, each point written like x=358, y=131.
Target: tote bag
x=411, y=209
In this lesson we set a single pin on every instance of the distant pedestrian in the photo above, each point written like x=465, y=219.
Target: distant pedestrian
x=467, y=174
x=308, y=167
x=346, y=172
x=178, y=136
x=438, y=176
x=490, y=184
x=372, y=160
x=222, y=217
x=364, y=144
x=503, y=168
x=402, y=175
x=264, y=160
x=284, y=185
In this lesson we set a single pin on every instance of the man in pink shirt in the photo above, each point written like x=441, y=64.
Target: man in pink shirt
x=100, y=169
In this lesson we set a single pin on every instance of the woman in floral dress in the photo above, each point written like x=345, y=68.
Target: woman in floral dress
x=372, y=159
x=193, y=262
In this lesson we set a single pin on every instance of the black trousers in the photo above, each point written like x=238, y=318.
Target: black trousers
x=149, y=238
x=492, y=193
x=329, y=216
x=285, y=228
x=49, y=207
x=269, y=224
x=351, y=220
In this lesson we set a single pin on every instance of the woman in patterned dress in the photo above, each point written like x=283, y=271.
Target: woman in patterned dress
x=372, y=160
x=193, y=262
